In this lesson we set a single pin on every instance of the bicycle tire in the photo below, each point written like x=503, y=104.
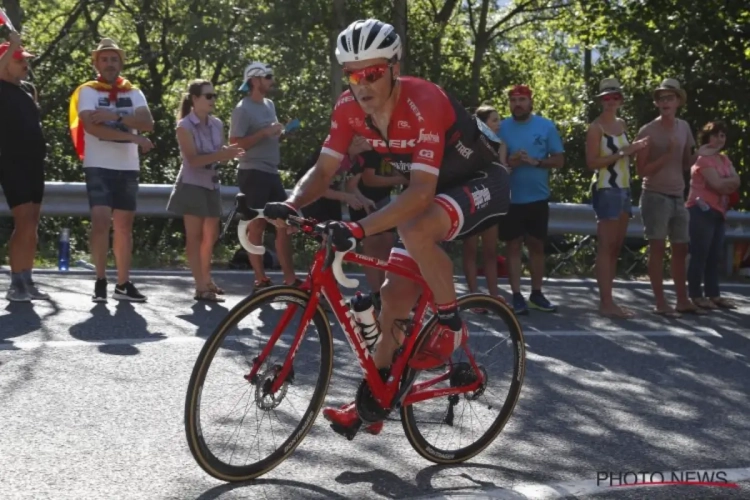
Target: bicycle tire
x=200, y=451
x=414, y=436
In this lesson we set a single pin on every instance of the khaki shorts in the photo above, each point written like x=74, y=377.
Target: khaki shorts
x=665, y=216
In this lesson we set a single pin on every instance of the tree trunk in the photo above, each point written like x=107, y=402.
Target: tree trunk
x=400, y=17
x=480, y=47
x=441, y=22
x=15, y=12
x=338, y=24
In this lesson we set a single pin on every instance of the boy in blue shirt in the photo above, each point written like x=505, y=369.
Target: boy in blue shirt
x=534, y=147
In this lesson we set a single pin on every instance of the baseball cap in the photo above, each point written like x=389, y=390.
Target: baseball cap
x=252, y=70
x=520, y=90
x=19, y=54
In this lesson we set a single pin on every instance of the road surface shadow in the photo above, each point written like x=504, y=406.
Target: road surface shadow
x=280, y=489
x=118, y=332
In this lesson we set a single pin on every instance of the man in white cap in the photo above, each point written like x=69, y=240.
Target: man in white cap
x=662, y=164
x=255, y=128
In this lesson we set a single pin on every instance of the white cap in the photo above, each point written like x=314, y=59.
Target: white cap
x=252, y=70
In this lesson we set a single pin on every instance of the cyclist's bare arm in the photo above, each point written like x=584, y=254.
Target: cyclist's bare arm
x=315, y=182
x=415, y=200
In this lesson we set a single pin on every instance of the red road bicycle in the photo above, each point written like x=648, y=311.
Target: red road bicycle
x=281, y=326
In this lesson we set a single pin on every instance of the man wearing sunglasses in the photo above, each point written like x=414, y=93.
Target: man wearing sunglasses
x=255, y=128
x=457, y=188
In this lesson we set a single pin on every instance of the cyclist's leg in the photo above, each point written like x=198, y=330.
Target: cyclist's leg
x=398, y=296
x=458, y=212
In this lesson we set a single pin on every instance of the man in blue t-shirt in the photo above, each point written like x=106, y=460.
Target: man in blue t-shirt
x=534, y=147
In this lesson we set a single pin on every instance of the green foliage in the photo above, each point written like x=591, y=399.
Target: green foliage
x=705, y=45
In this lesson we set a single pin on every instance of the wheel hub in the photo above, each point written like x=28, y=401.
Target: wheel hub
x=264, y=399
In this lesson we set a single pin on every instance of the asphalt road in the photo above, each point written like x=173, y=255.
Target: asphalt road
x=92, y=404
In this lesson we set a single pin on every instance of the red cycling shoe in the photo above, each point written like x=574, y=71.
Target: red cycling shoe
x=346, y=416
x=437, y=350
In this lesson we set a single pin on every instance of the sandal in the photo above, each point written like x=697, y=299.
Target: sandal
x=669, y=313
x=704, y=303
x=214, y=288
x=297, y=283
x=692, y=309
x=723, y=303
x=208, y=296
x=264, y=283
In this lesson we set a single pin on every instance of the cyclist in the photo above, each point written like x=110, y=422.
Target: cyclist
x=457, y=188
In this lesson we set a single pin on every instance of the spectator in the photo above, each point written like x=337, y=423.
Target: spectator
x=255, y=128
x=535, y=147
x=373, y=180
x=661, y=164
x=328, y=207
x=22, y=153
x=112, y=112
x=608, y=153
x=713, y=179
x=489, y=116
x=196, y=193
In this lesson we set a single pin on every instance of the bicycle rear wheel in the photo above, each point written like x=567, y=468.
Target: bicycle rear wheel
x=439, y=428
x=247, y=414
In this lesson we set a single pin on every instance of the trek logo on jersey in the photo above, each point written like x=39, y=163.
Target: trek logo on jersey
x=430, y=137
x=427, y=154
x=393, y=143
x=415, y=110
x=464, y=151
x=403, y=124
x=344, y=100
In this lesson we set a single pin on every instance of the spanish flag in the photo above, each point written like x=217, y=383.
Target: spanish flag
x=76, y=127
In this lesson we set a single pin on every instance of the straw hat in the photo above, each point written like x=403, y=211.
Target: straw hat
x=107, y=44
x=670, y=85
x=609, y=86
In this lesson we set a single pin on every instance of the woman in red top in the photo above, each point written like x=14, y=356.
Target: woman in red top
x=713, y=180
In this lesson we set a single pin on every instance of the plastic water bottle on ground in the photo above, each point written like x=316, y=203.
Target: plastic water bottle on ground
x=63, y=256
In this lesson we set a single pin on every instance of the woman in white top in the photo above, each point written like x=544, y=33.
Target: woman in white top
x=608, y=154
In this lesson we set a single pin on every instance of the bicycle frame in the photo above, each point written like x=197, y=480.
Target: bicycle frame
x=322, y=280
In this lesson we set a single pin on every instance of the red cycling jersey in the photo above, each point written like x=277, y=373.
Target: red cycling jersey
x=429, y=131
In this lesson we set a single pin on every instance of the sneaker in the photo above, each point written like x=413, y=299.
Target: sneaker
x=437, y=350
x=519, y=304
x=100, y=290
x=346, y=416
x=18, y=293
x=35, y=293
x=540, y=302
x=128, y=291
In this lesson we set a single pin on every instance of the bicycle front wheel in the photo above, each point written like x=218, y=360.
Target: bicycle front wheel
x=453, y=429
x=238, y=428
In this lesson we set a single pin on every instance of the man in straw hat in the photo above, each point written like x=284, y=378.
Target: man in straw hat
x=106, y=116
x=661, y=164
x=23, y=151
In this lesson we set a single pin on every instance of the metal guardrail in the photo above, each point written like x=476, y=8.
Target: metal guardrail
x=69, y=199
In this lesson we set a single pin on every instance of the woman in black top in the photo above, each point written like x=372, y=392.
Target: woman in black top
x=22, y=155
x=489, y=237
x=375, y=179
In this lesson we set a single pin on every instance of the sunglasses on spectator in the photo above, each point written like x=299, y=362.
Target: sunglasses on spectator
x=370, y=74
x=210, y=96
x=612, y=97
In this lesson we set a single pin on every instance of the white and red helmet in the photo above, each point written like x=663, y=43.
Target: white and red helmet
x=368, y=39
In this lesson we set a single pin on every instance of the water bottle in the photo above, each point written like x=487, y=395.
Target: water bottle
x=63, y=256
x=364, y=316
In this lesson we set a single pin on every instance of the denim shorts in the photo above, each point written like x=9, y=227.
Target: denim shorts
x=610, y=203
x=116, y=189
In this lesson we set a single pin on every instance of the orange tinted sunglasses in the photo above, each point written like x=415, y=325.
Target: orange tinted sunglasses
x=370, y=74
